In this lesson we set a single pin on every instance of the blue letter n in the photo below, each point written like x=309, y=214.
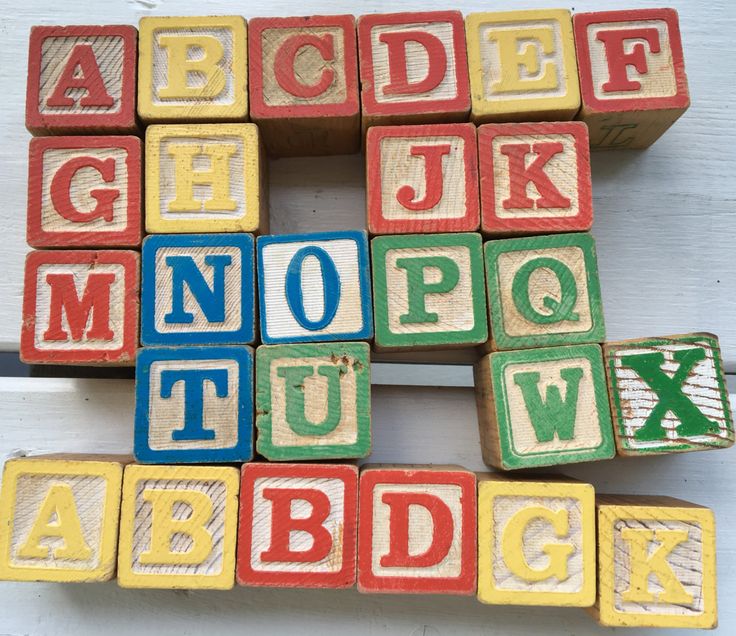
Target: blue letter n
x=211, y=301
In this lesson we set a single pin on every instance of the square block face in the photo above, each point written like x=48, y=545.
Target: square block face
x=417, y=531
x=81, y=79
x=178, y=527
x=544, y=291
x=668, y=394
x=535, y=178
x=198, y=289
x=60, y=520
x=522, y=66
x=536, y=543
x=298, y=525
x=204, y=178
x=313, y=401
x=422, y=179
x=84, y=192
x=436, y=297
x=314, y=287
x=194, y=404
x=193, y=69
x=80, y=307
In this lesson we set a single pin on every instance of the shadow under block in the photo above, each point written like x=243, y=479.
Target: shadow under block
x=422, y=179
x=314, y=287
x=417, y=530
x=303, y=82
x=198, y=289
x=522, y=66
x=632, y=75
x=298, y=525
x=536, y=542
x=192, y=69
x=178, y=527
x=81, y=80
x=656, y=563
x=84, y=192
x=668, y=394
x=544, y=291
x=428, y=291
x=194, y=405
x=60, y=518
x=80, y=307
x=535, y=178
x=413, y=68
x=205, y=178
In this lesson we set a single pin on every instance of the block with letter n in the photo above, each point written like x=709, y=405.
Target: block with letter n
x=668, y=394
x=543, y=407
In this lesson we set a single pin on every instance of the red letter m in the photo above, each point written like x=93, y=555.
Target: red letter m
x=95, y=302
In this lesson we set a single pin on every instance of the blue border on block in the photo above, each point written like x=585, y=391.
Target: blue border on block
x=361, y=238
x=245, y=335
x=243, y=449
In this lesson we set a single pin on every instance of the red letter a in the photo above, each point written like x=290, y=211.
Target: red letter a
x=89, y=78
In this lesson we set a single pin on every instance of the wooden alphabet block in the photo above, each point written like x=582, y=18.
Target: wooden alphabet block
x=314, y=287
x=429, y=291
x=668, y=394
x=422, y=179
x=60, y=518
x=205, y=178
x=543, y=407
x=313, y=401
x=417, y=530
x=522, y=66
x=192, y=69
x=178, y=527
x=656, y=563
x=298, y=525
x=544, y=290
x=194, y=405
x=81, y=80
x=535, y=178
x=84, y=192
x=632, y=75
x=304, y=84
x=536, y=542
x=413, y=68
x=80, y=307
x=198, y=289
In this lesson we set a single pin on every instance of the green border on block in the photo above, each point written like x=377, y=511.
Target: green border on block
x=381, y=245
x=502, y=340
x=266, y=354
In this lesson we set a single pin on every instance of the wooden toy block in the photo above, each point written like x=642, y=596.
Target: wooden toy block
x=314, y=287
x=80, y=307
x=81, y=79
x=313, y=401
x=422, y=179
x=535, y=178
x=84, y=192
x=194, y=404
x=632, y=75
x=303, y=84
x=522, y=66
x=668, y=394
x=205, y=178
x=192, y=69
x=198, y=289
x=417, y=530
x=429, y=291
x=536, y=542
x=413, y=68
x=544, y=290
x=298, y=525
x=178, y=527
x=60, y=518
x=656, y=563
